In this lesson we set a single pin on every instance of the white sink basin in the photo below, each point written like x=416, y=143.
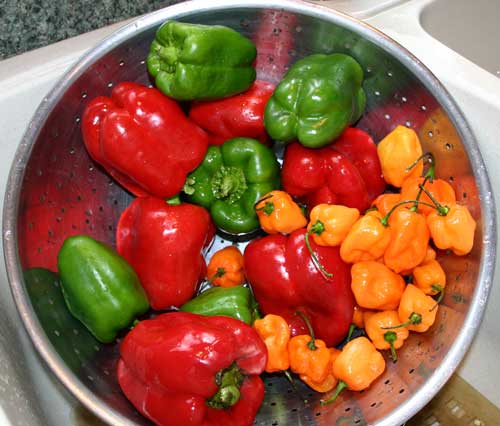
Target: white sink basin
x=468, y=27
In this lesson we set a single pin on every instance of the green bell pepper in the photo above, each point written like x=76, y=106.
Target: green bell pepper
x=231, y=179
x=236, y=302
x=316, y=100
x=72, y=341
x=100, y=288
x=191, y=61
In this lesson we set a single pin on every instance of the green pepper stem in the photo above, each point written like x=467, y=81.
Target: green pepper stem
x=317, y=263
x=390, y=337
x=419, y=194
x=229, y=184
x=385, y=220
x=219, y=273
x=340, y=387
x=268, y=208
x=352, y=327
x=414, y=319
x=229, y=381
x=431, y=172
x=294, y=386
x=439, y=288
x=442, y=210
x=312, y=344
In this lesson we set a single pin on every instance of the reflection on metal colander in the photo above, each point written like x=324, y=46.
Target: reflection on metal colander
x=55, y=190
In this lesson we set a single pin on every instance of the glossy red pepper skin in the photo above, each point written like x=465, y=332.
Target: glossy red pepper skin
x=285, y=280
x=143, y=139
x=168, y=365
x=241, y=115
x=345, y=172
x=164, y=243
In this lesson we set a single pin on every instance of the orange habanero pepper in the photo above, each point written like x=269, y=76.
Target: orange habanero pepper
x=309, y=356
x=375, y=286
x=330, y=382
x=430, y=278
x=329, y=224
x=367, y=239
x=397, y=153
x=356, y=367
x=278, y=213
x=453, y=230
x=416, y=310
x=376, y=327
x=225, y=268
x=409, y=240
x=275, y=333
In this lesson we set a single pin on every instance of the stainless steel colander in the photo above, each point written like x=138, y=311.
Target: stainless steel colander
x=55, y=190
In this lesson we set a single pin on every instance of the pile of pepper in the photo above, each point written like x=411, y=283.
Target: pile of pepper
x=345, y=231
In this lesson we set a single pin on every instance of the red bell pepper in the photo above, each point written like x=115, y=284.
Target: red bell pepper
x=345, y=172
x=143, y=139
x=285, y=280
x=236, y=116
x=186, y=369
x=164, y=243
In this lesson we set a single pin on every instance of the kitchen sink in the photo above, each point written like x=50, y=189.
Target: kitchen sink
x=470, y=28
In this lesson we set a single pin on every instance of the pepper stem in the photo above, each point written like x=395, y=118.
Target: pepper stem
x=390, y=337
x=229, y=381
x=312, y=344
x=352, y=327
x=431, y=172
x=440, y=290
x=229, y=183
x=341, y=385
x=442, y=210
x=294, y=386
x=219, y=273
x=414, y=319
x=385, y=220
x=317, y=263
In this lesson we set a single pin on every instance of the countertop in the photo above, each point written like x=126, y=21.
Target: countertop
x=29, y=24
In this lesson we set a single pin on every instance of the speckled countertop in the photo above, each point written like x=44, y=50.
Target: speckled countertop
x=30, y=24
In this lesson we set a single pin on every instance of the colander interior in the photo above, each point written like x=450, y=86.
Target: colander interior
x=62, y=192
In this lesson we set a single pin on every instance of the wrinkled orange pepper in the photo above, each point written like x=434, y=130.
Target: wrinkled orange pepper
x=278, y=213
x=441, y=190
x=309, y=356
x=375, y=286
x=330, y=382
x=409, y=240
x=430, y=278
x=385, y=202
x=397, y=153
x=453, y=230
x=416, y=311
x=430, y=254
x=329, y=224
x=376, y=327
x=225, y=268
x=367, y=239
x=357, y=366
x=275, y=333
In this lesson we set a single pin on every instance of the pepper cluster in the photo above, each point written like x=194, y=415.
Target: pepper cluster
x=332, y=246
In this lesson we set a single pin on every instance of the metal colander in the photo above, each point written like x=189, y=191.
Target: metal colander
x=56, y=190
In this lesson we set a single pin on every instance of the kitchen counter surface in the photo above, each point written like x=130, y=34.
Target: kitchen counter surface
x=29, y=24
